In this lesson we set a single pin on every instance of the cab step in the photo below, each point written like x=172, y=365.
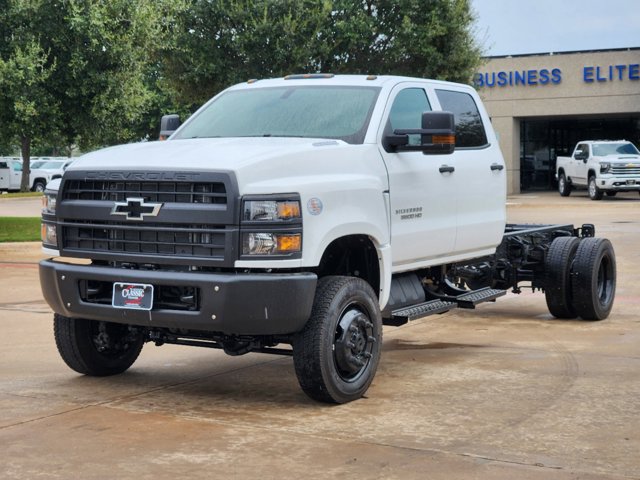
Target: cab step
x=432, y=307
x=473, y=298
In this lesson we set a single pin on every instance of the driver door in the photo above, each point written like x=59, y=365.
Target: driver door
x=423, y=208
x=578, y=172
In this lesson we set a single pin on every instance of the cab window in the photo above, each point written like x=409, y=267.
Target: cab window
x=406, y=111
x=469, y=127
x=582, y=150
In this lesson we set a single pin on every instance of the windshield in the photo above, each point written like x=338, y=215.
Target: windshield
x=604, y=149
x=51, y=165
x=337, y=112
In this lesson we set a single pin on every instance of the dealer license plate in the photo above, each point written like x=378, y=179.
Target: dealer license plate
x=134, y=296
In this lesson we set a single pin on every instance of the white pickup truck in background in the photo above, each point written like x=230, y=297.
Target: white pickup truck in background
x=10, y=174
x=601, y=166
x=45, y=172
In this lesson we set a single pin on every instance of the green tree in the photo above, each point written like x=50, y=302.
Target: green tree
x=26, y=105
x=79, y=71
x=431, y=39
x=228, y=41
x=218, y=43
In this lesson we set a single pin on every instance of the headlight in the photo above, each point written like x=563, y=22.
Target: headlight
x=49, y=202
x=271, y=226
x=48, y=234
x=271, y=210
x=269, y=243
x=605, y=167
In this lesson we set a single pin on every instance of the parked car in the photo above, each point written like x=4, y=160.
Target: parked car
x=10, y=173
x=39, y=177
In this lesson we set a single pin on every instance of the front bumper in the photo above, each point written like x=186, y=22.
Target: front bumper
x=620, y=184
x=229, y=303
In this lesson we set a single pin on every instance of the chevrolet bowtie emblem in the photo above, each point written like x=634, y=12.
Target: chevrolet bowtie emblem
x=136, y=209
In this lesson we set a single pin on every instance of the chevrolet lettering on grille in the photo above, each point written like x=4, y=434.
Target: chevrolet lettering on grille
x=136, y=209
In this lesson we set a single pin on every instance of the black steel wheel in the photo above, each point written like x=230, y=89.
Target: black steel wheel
x=593, y=278
x=336, y=355
x=96, y=348
x=564, y=187
x=594, y=192
x=557, y=288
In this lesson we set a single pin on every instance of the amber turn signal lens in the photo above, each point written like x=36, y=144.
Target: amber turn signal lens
x=288, y=210
x=449, y=139
x=289, y=243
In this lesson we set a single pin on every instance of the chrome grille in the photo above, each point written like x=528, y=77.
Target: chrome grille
x=633, y=170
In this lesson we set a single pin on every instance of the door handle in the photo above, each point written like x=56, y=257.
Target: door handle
x=497, y=166
x=446, y=169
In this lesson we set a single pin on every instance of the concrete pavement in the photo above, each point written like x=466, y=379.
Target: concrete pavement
x=20, y=207
x=501, y=392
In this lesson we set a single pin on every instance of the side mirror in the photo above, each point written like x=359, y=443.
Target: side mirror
x=437, y=135
x=168, y=125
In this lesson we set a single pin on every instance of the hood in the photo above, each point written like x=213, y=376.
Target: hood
x=197, y=154
x=621, y=159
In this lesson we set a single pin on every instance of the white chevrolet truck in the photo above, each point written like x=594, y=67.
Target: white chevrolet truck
x=298, y=216
x=600, y=166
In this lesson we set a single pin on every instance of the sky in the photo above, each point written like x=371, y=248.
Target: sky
x=514, y=27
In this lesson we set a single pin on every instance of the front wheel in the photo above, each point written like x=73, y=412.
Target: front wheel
x=39, y=186
x=336, y=355
x=594, y=192
x=96, y=348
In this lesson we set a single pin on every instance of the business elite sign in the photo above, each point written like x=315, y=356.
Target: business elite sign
x=553, y=76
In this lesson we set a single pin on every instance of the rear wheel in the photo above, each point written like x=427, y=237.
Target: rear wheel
x=564, y=187
x=557, y=290
x=594, y=192
x=594, y=278
x=336, y=355
x=96, y=348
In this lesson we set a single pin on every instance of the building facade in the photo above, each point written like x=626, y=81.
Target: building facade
x=541, y=105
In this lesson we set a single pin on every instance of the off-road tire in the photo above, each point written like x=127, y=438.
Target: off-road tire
x=564, y=187
x=593, y=278
x=76, y=341
x=594, y=192
x=344, y=330
x=557, y=290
